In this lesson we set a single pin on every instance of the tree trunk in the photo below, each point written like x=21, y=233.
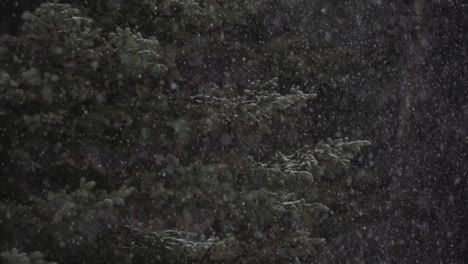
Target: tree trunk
x=404, y=185
x=418, y=45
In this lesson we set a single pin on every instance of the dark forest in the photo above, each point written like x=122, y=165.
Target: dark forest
x=242, y=131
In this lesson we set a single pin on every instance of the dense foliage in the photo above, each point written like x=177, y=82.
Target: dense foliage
x=119, y=162
x=201, y=131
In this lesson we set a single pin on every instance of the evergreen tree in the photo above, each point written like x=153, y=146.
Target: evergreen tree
x=113, y=152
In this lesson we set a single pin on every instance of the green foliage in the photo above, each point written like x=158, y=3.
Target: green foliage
x=14, y=257
x=70, y=88
x=87, y=103
x=261, y=208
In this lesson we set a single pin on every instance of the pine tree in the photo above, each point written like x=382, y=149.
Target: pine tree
x=108, y=158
